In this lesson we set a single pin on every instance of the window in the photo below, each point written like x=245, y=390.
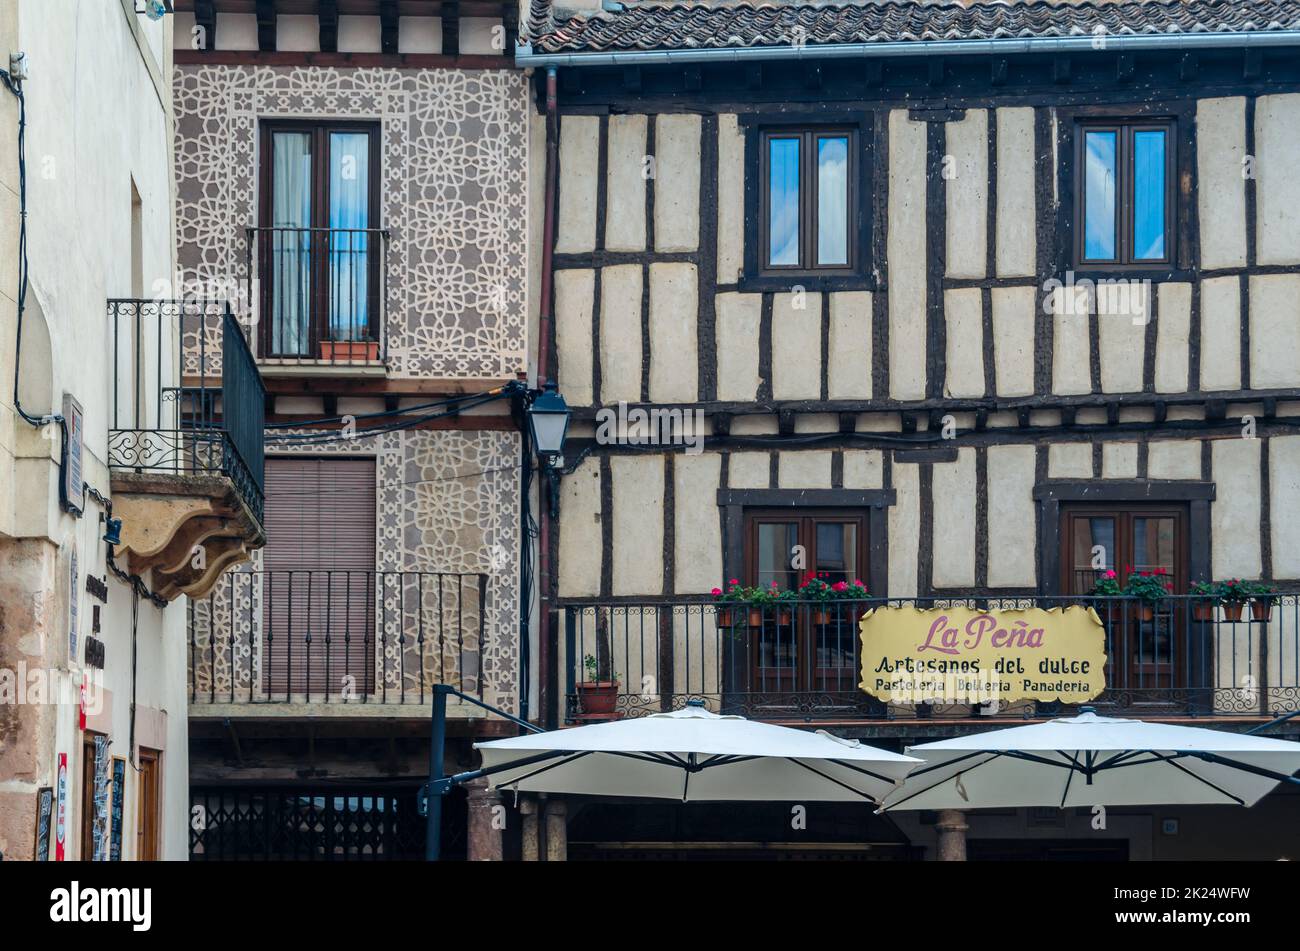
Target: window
x=1124, y=193
x=809, y=651
x=1145, y=652
x=318, y=246
x=808, y=182
x=318, y=577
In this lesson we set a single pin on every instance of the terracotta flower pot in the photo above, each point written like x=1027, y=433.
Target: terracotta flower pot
x=1232, y=610
x=1203, y=611
x=755, y=617
x=821, y=616
x=597, y=698
x=1146, y=611
x=726, y=617
x=1261, y=610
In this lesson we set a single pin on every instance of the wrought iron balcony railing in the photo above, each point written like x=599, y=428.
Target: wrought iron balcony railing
x=802, y=660
x=337, y=636
x=321, y=293
x=187, y=398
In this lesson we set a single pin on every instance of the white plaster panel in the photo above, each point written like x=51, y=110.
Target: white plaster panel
x=1071, y=374
x=237, y=31
x=620, y=333
x=1173, y=330
x=1221, y=186
x=963, y=311
x=1234, y=513
x=638, y=498
x=1069, y=460
x=579, y=144
x=482, y=36
x=796, y=336
x=1277, y=143
x=1174, y=459
x=625, y=194
x=906, y=251
x=849, y=372
x=863, y=469
x=731, y=199
x=749, y=470
x=737, y=319
x=1011, y=512
x=1119, y=460
x=904, y=531
x=1013, y=339
x=1122, y=317
x=677, y=170
x=358, y=34
x=967, y=195
x=295, y=33
x=574, y=298
x=580, y=537
x=954, y=521
x=1284, y=505
x=697, y=557
x=1016, y=229
x=1274, y=330
x=674, y=361
x=804, y=470
x=1221, y=334
x=419, y=35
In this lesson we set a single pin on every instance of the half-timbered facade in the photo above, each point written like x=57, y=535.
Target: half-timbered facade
x=968, y=302
x=354, y=175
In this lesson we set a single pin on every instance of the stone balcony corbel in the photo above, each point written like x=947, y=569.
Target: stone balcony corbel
x=185, y=529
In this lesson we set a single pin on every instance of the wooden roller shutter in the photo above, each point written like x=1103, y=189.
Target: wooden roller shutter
x=318, y=586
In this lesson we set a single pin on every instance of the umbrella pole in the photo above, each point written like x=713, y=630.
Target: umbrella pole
x=437, y=747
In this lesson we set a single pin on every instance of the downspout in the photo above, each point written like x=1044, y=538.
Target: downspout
x=547, y=661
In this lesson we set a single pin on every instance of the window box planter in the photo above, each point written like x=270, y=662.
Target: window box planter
x=350, y=351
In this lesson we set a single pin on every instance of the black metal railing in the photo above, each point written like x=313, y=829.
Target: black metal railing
x=322, y=823
x=802, y=660
x=187, y=398
x=322, y=294
x=337, y=636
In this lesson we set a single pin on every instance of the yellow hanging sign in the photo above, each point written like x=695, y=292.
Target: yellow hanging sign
x=964, y=655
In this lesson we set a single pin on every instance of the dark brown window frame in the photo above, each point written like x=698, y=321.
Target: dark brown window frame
x=320, y=130
x=1124, y=127
x=756, y=274
x=809, y=192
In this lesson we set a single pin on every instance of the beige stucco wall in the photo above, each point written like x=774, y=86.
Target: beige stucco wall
x=88, y=143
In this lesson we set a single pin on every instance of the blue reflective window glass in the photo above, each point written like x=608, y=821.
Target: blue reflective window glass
x=1100, y=178
x=783, y=202
x=1149, y=194
x=832, y=200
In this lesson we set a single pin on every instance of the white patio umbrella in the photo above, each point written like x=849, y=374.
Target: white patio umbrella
x=1089, y=760
x=694, y=755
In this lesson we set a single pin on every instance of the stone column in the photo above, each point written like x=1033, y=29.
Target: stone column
x=557, y=831
x=484, y=840
x=952, y=835
x=530, y=815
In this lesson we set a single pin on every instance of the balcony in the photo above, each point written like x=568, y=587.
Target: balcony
x=284, y=642
x=185, y=445
x=801, y=662
x=322, y=298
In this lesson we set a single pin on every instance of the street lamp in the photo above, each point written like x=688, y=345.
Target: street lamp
x=548, y=419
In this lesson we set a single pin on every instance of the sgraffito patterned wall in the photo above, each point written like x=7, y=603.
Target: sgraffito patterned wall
x=446, y=501
x=454, y=194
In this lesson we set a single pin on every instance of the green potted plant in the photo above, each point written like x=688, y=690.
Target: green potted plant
x=1235, y=595
x=854, y=591
x=820, y=594
x=597, y=698
x=1149, y=588
x=1262, y=598
x=1208, y=595
x=728, y=601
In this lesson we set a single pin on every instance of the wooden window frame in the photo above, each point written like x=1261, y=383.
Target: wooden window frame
x=1124, y=128
x=759, y=128
x=320, y=131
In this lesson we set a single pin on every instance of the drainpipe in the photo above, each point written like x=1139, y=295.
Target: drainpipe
x=546, y=662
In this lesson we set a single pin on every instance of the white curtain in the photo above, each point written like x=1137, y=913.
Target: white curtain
x=349, y=216
x=291, y=249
